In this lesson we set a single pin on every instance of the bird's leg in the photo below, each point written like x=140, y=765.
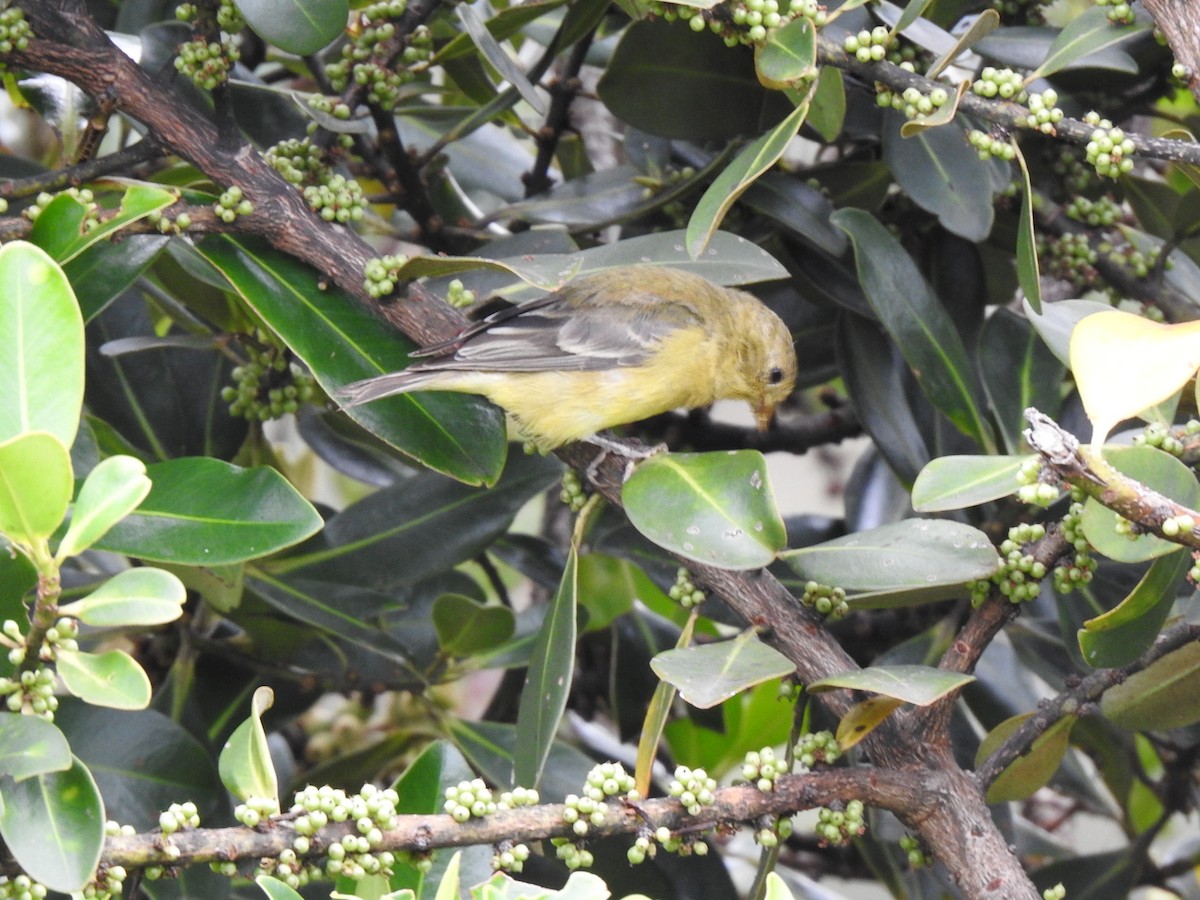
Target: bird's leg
x=632, y=453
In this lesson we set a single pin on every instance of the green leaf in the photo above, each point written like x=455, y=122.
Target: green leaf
x=917, y=322
x=1126, y=631
x=928, y=556
x=245, y=763
x=985, y=23
x=956, y=482
x=141, y=596
x=100, y=273
x=53, y=825
x=111, y=491
x=943, y=175
x=31, y=746
x=919, y=685
x=788, y=55
x=755, y=158
x=1089, y=32
x=943, y=115
x=491, y=50
x=113, y=679
x=1057, y=321
x=276, y=889
x=1018, y=371
x=1155, y=469
x=827, y=110
x=1033, y=768
x=708, y=674
x=203, y=511
x=57, y=237
x=1029, y=274
x=797, y=206
x=296, y=26
x=41, y=346
x=1165, y=694
x=465, y=627
x=703, y=90
x=715, y=508
x=459, y=435
x=35, y=486
x=548, y=681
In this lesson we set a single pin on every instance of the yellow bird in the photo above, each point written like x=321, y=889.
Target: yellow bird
x=608, y=349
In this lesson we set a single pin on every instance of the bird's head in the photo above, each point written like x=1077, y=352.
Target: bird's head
x=766, y=360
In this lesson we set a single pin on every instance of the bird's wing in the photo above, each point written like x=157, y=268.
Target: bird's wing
x=566, y=331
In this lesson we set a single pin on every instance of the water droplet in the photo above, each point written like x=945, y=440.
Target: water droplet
x=756, y=481
x=693, y=529
x=688, y=547
x=758, y=526
x=732, y=533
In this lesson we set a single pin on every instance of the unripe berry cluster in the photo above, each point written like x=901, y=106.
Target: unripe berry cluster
x=232, y=204
x=1003, y=83
x=1078, y=572
x=917, y=857
x=207, y=63
x=458, y=296
x=1156, y=434
x=572, y=855
x=1072, y=172
x=825, y=600
x=572, y=493
x=366, y=56
x=869, y=46
x=331, y=106
x=741, y=21
x=836, y=827
x=252, y=812
x=1033, y=490
x=382, y=273
x=693, y=788
x=911, y=102
x=109, y=882
x=762, y=768
x=269, y=384
x=1043, y=114
x=1058, y=892
x=22, y=887
x=1173, y=526
x=469, y=799
x=356, y=855
x=1109, y=150
x=31, y=692
x=1119, y=12
x=179, y=816
x=1140, y=264
x=1069, y=256
x=1099, y=213
x=684, y=591
x=83, y=196
x=772, y=830
x=817, y=748
x=1019, y=576
x=988, y=144
x=14, y=30
x=166, y=225
x=510, y=857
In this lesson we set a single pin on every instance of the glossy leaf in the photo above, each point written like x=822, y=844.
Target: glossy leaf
x=1056, y=321
x=1032, y=769
x=104, y=270
x=53, y=825
x=715, y=508
x=113, y=679
x=918, y=554
x=1165, y=694
x=1088, y=33
x=1126, y=631
x=1018, y=371
x=203, y=511
x=788, y=55
x=141, y=596
x=799, y=207
x=465, y=627
x=1029, y=274
x=296, y=26
x=919, y=685
x=56, y=235
x=459, y=435
x=31, y=746
x=276, y=889
x=943, y=175
x=863, y=718
x=1028, y=47
x=1164, y=356
x=957, y=482
x=245, y=763
x=111, y=491
x=35, y=486
x=754, y=160
x=916, y=321
x=548, y=680
x=708, y=674
x=827, y=109
x=1155, y=469
x=703, y=89
x=41, y=346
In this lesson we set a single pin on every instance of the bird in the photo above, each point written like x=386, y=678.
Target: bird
x=607, y=349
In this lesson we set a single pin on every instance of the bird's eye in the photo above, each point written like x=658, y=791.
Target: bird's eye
x=775, y=375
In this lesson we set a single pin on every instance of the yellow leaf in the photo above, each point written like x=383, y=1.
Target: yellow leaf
x=1124, y=364
x=862, y=719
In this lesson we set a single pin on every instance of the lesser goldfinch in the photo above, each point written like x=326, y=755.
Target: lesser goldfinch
x=608, y=349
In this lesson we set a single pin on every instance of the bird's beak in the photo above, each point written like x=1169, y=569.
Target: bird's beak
x=763, y=416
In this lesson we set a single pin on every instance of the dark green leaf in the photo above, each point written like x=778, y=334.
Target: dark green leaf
x=341, y=342
x=943, y=174
x=31, y=746
x=1019, y=371
x=205, y=512
x=827, y=111
x=53, y=825
x=1126, y=631
x=106, y=269
x=703, y=90
x=956, y=482
x=1165, y=694
x=788, y=55
x=63, y=236
x=548, y=681
x=296, y=26
x=799, y=207
x=708, y=674
x=715, y=508
x=491, y=50
x=920, y=685
x=466, y=627
x=916, y=321
x=1088, y=33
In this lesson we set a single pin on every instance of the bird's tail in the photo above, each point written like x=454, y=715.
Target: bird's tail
x=359, y=392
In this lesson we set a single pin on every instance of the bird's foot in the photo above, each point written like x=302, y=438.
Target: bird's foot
x=633, y=454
